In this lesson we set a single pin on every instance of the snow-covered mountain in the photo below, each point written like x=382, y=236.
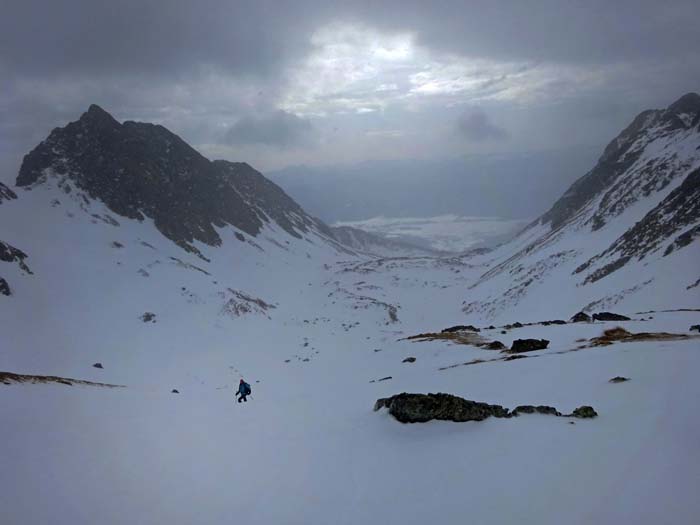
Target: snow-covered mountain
x=621, y=235
x=143, y=170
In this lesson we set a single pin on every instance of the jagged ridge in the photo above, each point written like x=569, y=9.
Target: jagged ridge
x=143, y=170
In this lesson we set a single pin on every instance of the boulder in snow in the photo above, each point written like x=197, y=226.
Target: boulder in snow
x=581, y=317
x=609, y=316
x=419, y=408
x=528, y=345
x=584, y=412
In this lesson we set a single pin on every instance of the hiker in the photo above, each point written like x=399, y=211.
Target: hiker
x=243, y=391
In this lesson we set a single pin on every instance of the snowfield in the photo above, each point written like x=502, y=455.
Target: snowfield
x=450, y=233
x=321, y=331
x=307, y=447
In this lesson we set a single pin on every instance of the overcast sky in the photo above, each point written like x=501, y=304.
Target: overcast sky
x=322, y=82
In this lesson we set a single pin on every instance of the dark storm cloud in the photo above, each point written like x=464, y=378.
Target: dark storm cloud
x=475, y=126
x=278, y=128
x=252, y=37
x=198, y=66
x=581, y=31
x=71, y=37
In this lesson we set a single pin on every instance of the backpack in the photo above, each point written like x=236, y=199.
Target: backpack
x=246, y=389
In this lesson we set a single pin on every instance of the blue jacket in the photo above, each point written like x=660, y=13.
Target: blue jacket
x=244, y=389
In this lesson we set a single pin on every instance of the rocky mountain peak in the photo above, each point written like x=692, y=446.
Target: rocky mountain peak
x=96, y=114
x=611, y=176
x=143, y=170
x=688, y=103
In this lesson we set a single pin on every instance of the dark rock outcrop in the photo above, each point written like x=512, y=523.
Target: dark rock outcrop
x=98, y=365
x=9, y=253
x=619, y=379
x=420, y=408
x=5, y=287
x=609, y=316
x=581, y=317
x=495, y=345
x=6, y=194
x=461, y=328
x=528, y=345
x=695, y=327
x=409, y=360
x=174, y=391
x=540, y=409
x=584, y=412
x=148, y=317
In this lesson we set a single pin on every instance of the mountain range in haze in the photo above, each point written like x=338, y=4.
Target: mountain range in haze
x=512, y=186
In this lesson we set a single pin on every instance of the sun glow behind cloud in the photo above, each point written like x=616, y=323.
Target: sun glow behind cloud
x=357, y=69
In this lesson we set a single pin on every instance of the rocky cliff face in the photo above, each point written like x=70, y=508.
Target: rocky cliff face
x=9, y=253
x=624, y=174
x=6, y=194
x=680, y=211
x=634, y=216
x=143, y=170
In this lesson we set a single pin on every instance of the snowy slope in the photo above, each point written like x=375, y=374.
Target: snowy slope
x=620, y=236
x=378, y=244
x=314, y=326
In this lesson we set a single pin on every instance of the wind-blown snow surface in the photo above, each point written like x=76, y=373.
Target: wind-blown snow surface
x=307, y=447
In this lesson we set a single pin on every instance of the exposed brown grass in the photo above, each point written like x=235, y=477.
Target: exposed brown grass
x=620, y=335
x=472, y=362
x=8, y=378
x=461, y=338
